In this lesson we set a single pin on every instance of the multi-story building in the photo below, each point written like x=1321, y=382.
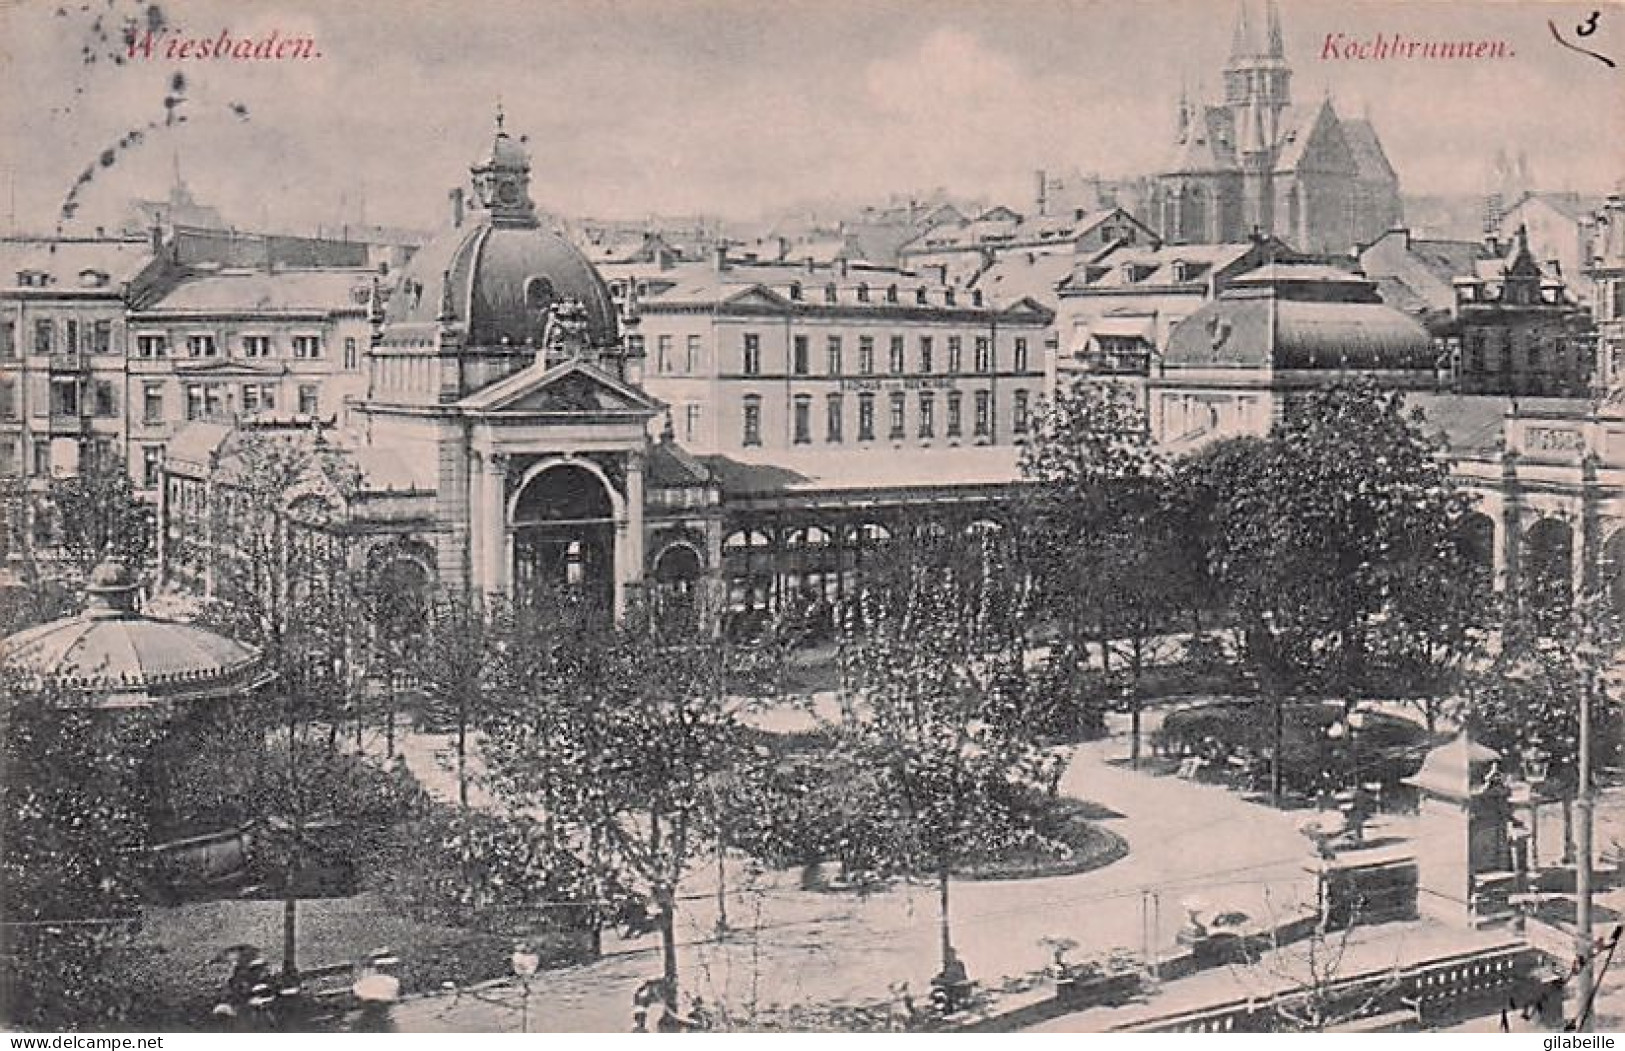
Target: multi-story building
x=1234, y=366
x=241, y=343
x=1606, y=270
x=759, y=359
x=63, y=394
x=1117, y=310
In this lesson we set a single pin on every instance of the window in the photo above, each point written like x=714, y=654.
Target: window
x=896, y=355
x=955, y=413
x=956, y=353
x=1018, y=414
x=8, y=339
x=70, y=345
x=984, y=354
x=194, y=401
x=753, y=354
x=200, y=346
x=803, y=419
x=863, y=293
x=102, y=337
x=833, y=413
x=833, y=354
x=795, y=291
x=753, y=420
x=663, y=355
x=152, y=465
x=866, y=355
x=926, y=354
x=307, y=347
x=10, y=464
x=256, y=346
x=44, y=336
x=829, y=293
x=351, y=352
x=308, y=404
x=42, y=460
x=692, y=416
x=106, y=399
x=798, y=356
x=65, y=397
x=691, y=362
x=152, y=345
x=928, y=414
x=898, y=409
x=152, y=403
x=8, y=398
x=891, y=293
x=866, y=417
x=258, y=396
x=919, y=296
x=1021, y=362
x=984, y=414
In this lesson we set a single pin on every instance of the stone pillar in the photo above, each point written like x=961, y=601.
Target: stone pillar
x=1461, y=832
x=1511, y=527
x=629, y=538
x=1586, y=544
x=489, y=516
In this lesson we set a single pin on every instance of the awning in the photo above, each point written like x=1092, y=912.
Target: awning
x=1125, y=328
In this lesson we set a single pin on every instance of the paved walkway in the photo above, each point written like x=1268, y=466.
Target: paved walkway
x=795, y=946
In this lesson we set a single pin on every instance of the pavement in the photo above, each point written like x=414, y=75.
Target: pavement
x=791, y=946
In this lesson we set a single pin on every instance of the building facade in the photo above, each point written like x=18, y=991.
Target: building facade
x=770, y=360
x=1258, y=162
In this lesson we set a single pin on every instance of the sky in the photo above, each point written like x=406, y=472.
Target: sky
x=741, y=107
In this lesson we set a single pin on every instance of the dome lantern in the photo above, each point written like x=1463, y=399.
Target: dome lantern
x=502, y=180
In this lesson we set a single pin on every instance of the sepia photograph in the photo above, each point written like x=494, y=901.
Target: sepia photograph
x=831, y=516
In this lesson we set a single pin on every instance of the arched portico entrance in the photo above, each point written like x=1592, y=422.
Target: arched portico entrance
x=563, y=525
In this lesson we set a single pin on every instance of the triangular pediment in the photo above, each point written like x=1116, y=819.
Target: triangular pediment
x=756, y=296
x=573, y=387
x=227, y=367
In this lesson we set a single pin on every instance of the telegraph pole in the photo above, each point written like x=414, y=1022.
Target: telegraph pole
x=1582, y=867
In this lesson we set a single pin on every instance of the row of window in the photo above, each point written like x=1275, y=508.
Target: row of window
x=307, y=347
x=68, y=397
x=152, y=457
x=72, y=336
x=897, y=411
x=214, y=400
x=925, y=359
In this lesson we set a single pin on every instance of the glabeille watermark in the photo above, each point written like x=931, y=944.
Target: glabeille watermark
x=270, y=46
x=1383, y=47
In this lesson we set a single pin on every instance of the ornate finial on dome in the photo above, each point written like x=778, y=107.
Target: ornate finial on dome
x=448, y=310
x=500, y=117
x=112, y=589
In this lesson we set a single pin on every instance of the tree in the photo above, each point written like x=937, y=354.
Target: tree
x=455, y=661
x=73, y=819
x=933, y=716
x=618, y=741
x=1338, y=546
x=1103, y=527
x=99, y=516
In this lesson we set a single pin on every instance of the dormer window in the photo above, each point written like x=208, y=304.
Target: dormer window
x=891, y=293
x=976, y=297
x=863, y=293
x=92, y=278
x=33, y=278
x=538, y=294
x=795, y=290
x=948, y=296
x=1181, y=271
x=829, y=292
x=919, y=295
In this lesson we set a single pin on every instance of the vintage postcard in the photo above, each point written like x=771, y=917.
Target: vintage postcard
x=570, y=516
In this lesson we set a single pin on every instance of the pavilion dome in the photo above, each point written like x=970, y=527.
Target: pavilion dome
x=495, y=272
x=113, y=656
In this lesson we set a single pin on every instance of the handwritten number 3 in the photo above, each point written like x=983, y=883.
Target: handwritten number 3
x=1590, y=24
x=1587, y=29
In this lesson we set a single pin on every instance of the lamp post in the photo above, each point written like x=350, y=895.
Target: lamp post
x=1587, y=658
x=1277, y=715
x=525, y=964
x=1535, y=768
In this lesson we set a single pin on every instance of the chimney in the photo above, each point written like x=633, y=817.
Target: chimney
x=1042, y=198
x=1077, y=214
x=155, y=237
x=840, y=264
x=719, y=256
x=808, y=264
x=456, y=207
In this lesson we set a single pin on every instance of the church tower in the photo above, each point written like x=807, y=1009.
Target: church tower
x=1257, y=89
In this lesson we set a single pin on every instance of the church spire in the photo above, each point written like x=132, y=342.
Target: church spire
x=1241, y=41
x=1277, y=49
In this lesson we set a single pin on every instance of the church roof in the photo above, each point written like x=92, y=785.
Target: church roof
x=1370, y=160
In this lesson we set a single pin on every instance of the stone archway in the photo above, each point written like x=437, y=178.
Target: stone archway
x=1611, y=570
x=679, y=572
x=1546, y=568
x=563, y=522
